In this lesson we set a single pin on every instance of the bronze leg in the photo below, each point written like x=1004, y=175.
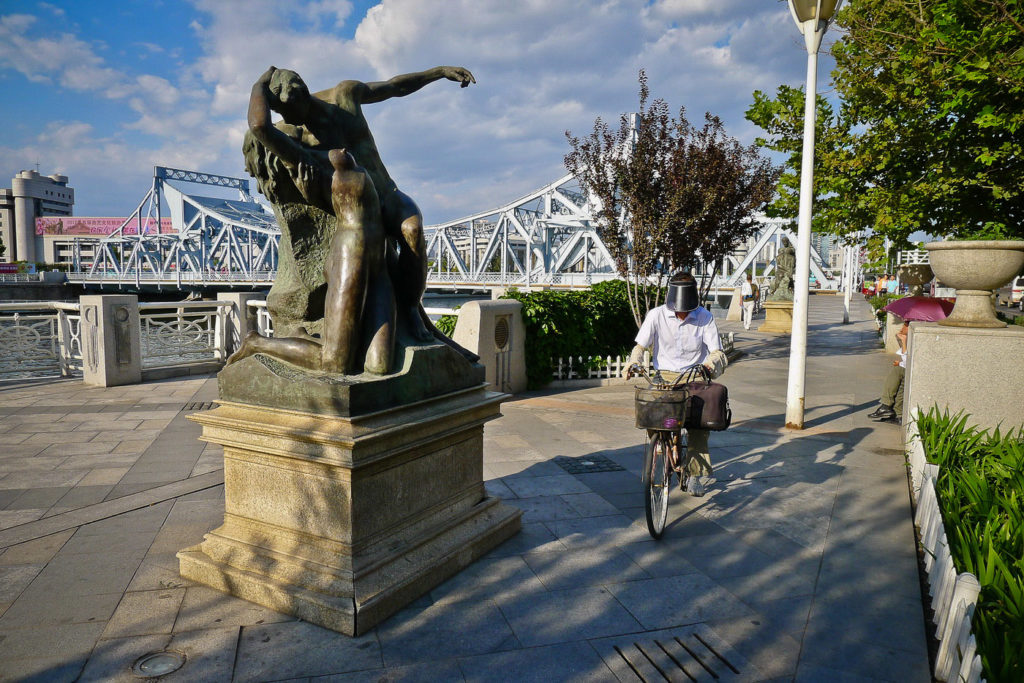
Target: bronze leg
x=302, y=352
x=345, y=270
x=405, y=224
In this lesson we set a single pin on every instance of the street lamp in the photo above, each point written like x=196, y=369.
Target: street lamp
x=812, y=18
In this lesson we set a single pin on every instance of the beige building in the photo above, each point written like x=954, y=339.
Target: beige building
x=31, y=195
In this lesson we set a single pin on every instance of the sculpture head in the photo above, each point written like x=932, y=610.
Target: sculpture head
x=341, y=160
x=289, y=96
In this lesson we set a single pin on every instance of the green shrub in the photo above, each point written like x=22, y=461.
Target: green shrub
x=592, y=323
x=981, y=494
x=878, y=302
x=446, y=324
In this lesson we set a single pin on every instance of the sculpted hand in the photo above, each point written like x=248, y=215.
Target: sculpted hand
x=307, y=180
x=267, y=75
x=458, y=73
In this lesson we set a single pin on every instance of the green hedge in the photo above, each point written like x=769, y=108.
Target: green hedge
x=981, y=495
x=592, y=323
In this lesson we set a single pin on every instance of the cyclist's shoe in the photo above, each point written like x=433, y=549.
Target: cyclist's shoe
x=882, y=411
x=695, y=486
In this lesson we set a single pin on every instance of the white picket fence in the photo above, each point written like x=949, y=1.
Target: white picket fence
x=611, y=367
x=954, y=596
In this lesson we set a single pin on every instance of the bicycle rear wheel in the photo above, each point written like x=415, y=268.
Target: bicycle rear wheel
x=657, y=479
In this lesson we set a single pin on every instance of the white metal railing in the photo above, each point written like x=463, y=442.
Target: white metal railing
x=21, y=277
x=264, y=323
x=612, y=367
x=183, y=332
x=39, y=338
x=912, y=257
x=954, y=596
x=183, y=277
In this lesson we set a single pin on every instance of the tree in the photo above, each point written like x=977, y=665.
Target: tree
x=935, y=92
x=782, y=120
x=670, y=196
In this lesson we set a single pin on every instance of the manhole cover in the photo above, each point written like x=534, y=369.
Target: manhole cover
x=586, y=464
x=157, y=664
x=199, y=405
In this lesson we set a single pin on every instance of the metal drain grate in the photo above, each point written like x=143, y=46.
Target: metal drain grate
x=199, y=405
x=585, y=464
x=694, y=654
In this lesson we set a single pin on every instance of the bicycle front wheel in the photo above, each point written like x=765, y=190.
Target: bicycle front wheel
x=657, y=478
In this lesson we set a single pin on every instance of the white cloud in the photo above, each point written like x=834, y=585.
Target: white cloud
x=542, y=68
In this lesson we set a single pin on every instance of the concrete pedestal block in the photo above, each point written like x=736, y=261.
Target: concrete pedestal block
x=736, y=305
x=976, y=370
x=778, y=317
x=110, y=336
x=494, y=330
x=239, y=320
x=342, y=521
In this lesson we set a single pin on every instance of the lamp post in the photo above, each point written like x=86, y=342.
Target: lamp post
x=812, y=18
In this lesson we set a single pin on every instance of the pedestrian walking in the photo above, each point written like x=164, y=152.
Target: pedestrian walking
x=747, y=294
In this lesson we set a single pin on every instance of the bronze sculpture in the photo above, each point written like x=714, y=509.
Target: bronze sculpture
x=785, y=266
x=321, y=163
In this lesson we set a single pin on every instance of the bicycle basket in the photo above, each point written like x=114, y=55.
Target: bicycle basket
x=661, y=408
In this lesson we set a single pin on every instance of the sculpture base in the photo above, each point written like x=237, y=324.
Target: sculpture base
x=342, y=521
x=422, y=372
x=778, y=317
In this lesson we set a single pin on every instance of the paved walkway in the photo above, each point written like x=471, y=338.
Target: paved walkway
x=799, y=564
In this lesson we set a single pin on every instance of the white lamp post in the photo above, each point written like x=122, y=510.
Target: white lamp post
x=812, y=18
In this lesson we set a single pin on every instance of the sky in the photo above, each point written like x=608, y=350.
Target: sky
x=102, y=92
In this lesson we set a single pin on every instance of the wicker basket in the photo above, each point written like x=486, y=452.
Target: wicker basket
x=661, y=408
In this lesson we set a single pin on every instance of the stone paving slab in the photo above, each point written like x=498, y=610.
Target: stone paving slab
x=799, y=563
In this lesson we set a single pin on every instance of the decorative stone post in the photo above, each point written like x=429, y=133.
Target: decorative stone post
x=111, y=348
x=494, y=330
x=240, y=319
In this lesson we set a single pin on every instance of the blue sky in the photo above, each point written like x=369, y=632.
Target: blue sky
x=104, y=91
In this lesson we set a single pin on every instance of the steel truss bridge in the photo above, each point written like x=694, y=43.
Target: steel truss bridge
x=547, y=238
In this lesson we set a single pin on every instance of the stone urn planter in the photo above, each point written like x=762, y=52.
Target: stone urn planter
x=975, y=268
x=915, y=276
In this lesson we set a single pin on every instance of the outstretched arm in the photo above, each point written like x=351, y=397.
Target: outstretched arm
x=403, y=85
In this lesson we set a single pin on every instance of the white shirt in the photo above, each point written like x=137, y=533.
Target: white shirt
x=745, y=291
x=678, y=344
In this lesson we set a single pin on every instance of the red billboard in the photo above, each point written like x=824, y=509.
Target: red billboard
x=97, y=226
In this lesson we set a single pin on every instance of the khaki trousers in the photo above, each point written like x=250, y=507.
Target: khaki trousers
x=892, y=389
x=696, y=442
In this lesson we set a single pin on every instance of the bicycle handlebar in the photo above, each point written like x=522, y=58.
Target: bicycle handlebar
x=637, y=369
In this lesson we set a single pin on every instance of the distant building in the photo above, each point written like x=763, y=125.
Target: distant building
x=31, y=196
x=73, y=240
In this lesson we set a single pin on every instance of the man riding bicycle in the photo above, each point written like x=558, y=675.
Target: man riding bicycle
x=681, y=334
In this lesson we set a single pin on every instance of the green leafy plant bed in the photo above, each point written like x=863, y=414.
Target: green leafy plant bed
x=591, y=323
x=981, y=494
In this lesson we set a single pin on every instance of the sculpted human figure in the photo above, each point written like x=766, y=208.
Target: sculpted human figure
x=359, y=310
x=333, y=119
x=785, y=266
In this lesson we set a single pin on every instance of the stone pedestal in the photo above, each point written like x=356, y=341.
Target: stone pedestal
x=976, y=370
x=341, y=520
x=735, y=305
x=778, y=317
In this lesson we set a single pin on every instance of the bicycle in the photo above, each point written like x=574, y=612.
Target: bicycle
x=661, y=410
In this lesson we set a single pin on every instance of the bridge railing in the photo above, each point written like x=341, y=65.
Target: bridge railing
x=40, y=338
x=44, y=338
x=188, y=278
x=183, y=332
